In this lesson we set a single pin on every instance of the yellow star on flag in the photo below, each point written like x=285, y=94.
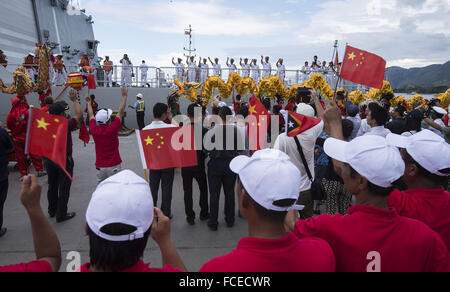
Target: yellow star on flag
x=252, y=110
x=42, y=124
x=149, y=141
x=352, y=56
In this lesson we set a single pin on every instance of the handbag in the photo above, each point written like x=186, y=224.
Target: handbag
x=317, y=190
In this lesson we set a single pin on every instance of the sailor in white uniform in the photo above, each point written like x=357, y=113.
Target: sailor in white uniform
x=245, y=68
x=144, y=71
x=204, y=70
x=306, y=72
x=127, y=71
x=281, y=70
x=179, y=68
x=267, y=67
x=192, y=69
x=232, y=68
x=255, y=71
x=217, y=69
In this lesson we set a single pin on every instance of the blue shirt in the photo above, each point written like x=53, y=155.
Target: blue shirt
x=5, y=144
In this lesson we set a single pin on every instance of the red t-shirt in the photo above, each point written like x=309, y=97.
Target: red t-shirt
x=31, y=267
x=140, y=267
x=367, y=234
x=106, y=139
x=287, y=254
x=432, y=207
x=236, y=106
x=290, y=106
x=446, y=118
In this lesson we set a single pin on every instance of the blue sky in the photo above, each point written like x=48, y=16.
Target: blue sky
x=407, y=33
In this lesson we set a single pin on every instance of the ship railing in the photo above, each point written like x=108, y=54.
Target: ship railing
x=164, y=77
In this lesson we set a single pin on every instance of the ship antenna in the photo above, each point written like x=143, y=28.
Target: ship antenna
x=189, y=52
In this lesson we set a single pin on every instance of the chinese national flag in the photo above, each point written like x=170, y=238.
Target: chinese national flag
x=167, y=148
x=363, y=68
x=47, y=137
x=84, y=133
x=258, y=124
x=297, y=124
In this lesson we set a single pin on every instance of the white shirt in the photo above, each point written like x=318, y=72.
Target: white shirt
x=306, y=69
x=126, y=66
x=232, y=68
x=179, y=68
x=440, y=123
x=255, y=70
x=365, y=128
x=158, y=125
x=267, y=69
x=204, y=68
x=307, y=141
x=217, y=70
x=281, y=70
x=191, y=65
x=356, y=125
x=144, y=68
x=378, y=131
x=245, y=70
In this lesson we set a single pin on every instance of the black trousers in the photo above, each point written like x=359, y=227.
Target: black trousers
x=3, y=195
x=140, y=120
x=199, y=174
x=58, y=187
x=165, y=178
x=219, y=174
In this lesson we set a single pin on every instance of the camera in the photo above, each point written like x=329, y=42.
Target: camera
x=304, y=94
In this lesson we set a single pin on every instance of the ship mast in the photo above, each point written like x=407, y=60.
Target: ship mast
x=189, y=52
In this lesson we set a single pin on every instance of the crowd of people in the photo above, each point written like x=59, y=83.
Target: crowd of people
x=381, y=172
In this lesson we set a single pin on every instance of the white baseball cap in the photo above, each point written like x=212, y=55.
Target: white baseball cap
x=269, y=176
x=140, y=96
x=439, y=110
x=370, y=156
x=426, y=148
x=305, y=109
x=103, y=116
x=222, y=104
x=124, y=198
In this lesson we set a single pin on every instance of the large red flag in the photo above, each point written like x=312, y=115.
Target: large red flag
x=258, y=124
x=297, y=124
x=364, y=68
x=167, y=148
x=47, y=137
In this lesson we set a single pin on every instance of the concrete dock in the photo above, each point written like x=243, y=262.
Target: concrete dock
x=196, y=244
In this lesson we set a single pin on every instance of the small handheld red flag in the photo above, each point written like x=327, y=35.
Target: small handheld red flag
x=297, y=124
x=84, y=133
x=47, y=137
x=363, y=68
x=167, y=148
x=91, y=82
x=258, y=124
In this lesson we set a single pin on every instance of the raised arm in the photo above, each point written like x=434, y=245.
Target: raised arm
x=62, y=92
x=89, y=107
x=210, y=61
x=73, y=95
x=161, y=235
x=123, y=103
x=46, y=244
x=240, y=63
x=433, y=124
x=173, y=62
x=333, y=121
x=228, y=59
x=319, y=108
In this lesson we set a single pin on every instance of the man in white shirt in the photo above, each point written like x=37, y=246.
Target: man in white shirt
x=437, y=114
x=192, y=69
x=204, y=70
x=307, y=141
x=267, y=67
x=255, y=71
x=165, y=177
x=144, y=71
x=127, y=71
x=306, y=71
x=377, y=117
x=217, y=69
x=231, y=66
x=179, y=67
x=281, y=69
x=245, y=68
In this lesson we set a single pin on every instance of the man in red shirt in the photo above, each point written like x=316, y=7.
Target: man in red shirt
x=119, y=221
x=267, y=188
x=372, y=237
x=105, y=131
x=427, y=159
x=46, y=243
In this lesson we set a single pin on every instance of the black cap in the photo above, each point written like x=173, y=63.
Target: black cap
x=56, y=109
